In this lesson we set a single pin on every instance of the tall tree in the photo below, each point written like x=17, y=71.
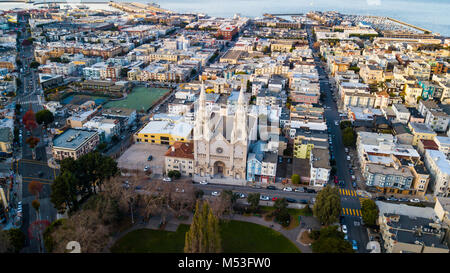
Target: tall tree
x=44, y=117
x=17, y=239
x=29, y=120
x=253, y=200
x=328, y=205
x=32, y=142
x=330, y=240
x=64, y=192
x=369, y=211
x=204, y=233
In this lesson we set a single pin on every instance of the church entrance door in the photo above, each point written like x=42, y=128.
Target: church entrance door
x=219, y=168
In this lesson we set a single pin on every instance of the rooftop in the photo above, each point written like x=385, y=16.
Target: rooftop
x=73, y=138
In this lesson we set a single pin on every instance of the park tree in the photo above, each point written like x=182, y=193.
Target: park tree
x=204, y=233
x=253, y=200
x=327, y=207
x=64, y=192
x=44, y=117
x=348, y=137
x=330, y=240
x=295, y=178
x=369, y=211
x=281, y=212
x=16, y=238
x=174, y=174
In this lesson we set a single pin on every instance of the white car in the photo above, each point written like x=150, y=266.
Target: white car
x=242, y=195
x=264, y=198
x=344, y=229
x=167, y=179
x=215, y=193
x=414, y=200
x=179, y=190
x=204, y=182
x=146, y=168
x=287, y=189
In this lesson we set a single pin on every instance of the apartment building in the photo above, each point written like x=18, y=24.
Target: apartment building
x=406, y=234
x=402, y=114
x=420, y=131
x=320, y=167
x=371, y=74
x=439, y=167
x=74, y=143
x=443, y=143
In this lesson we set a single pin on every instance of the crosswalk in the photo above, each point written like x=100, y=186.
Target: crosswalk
x=347, y=192
x=351, y=212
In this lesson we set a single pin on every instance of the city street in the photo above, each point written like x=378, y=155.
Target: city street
x=350, y=202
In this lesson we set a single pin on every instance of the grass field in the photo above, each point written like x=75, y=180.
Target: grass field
x=140, y=99
x=237, y=237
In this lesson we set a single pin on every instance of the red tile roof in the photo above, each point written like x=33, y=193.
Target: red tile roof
x=181, y=150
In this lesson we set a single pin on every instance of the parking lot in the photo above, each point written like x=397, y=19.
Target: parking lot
x=135, y=158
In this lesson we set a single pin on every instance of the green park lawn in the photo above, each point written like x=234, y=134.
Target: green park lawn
x=237, y=237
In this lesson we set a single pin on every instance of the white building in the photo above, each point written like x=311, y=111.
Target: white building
x=439, y=167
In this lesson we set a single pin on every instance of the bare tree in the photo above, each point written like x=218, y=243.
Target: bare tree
x=84, y=227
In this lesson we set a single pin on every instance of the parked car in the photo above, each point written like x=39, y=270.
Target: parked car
x=204, y=182
x=344, y=229
x=354, y=245
x=348, y=158
x=311, y=191
x=346, y=237
x=257, y=187
x=380, y=198
x=287, y=189
x=291, y=200
x=274, y=198
x=264, y=198
x=414, y=200
x=41, y=173
x=242, y=195
x=403, y=200
x=146, y=168
x=392, y=198
x=303, y=201
x=149, y=158
x=346, y=150
x=271, y=187
x=354, y=184
x=215, y=193
x=299, y=190
x=167, y=179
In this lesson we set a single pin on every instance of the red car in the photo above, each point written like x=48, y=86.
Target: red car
x=274, y=198
x=335, y=179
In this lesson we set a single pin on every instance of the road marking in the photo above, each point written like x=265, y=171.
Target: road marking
x=26, y=181
x=347, y=211
x=354, y=212
x=34, y=162
x=36, y=178
x=343, y=211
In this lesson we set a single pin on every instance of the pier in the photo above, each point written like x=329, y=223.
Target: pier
x=409, y=25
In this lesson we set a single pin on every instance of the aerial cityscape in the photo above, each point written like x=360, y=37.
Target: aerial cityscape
x=207, y=127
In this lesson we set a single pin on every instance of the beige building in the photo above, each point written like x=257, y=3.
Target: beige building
x=74, y=143
x=180, y=157
x=442, y=209
x=405, y=234
x=371, y=74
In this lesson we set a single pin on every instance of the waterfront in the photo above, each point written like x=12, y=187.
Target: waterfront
x=430, y=14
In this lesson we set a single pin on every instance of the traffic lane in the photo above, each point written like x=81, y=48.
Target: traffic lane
x=208, y=189
x=355, y=232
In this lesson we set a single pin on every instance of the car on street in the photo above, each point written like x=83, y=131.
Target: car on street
x=341, y=183
x=346, y=150
x=354, y=245
x=149, y=158
x=303, y=201
x=392, y=198
x=414, y=200
x=257, y=187
x=167, y=179
x=215, y=193
x=291, y=200
x=336, y=123
x=346, y=237
x=287, y=189
x=354, y=184
x=242, y=195
x=41, y=173
x=380, y=198
x=264, y=198
x=311, y=191
x=299, y=190
x=403, y=200
x=146, y=168
x=335, y=179
x=344, y=229
x=204, y=182
x=271, y=187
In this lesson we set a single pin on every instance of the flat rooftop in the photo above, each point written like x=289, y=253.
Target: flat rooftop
x=73, y=138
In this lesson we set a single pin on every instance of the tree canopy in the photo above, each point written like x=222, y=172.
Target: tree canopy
x=327, y=207
x=44, y=117
x=330, y=240
x=369, y=211
x=204, y=233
